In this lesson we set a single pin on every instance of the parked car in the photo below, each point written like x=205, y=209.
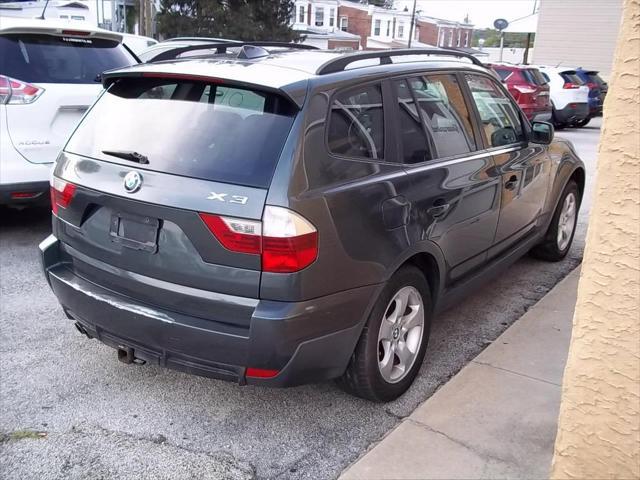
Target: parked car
x=312, y=215
x=49, y=76
x=597, y=91
x=529, y=88
x=138, y=43
x=569, y=97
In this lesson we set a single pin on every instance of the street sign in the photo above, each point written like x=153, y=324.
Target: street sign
x=500, y=24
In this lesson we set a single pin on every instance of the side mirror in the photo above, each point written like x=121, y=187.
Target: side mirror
x=541, y=132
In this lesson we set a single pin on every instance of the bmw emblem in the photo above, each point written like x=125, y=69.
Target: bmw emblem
x=132, y=182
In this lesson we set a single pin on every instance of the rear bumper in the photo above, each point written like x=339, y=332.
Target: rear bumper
x=24, y=193
x=290, y=337
x=537, y=113
x=573, y=112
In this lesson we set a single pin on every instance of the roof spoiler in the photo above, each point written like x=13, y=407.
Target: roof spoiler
x=112, y=76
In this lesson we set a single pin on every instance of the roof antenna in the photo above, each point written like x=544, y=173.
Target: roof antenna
x=41, y=17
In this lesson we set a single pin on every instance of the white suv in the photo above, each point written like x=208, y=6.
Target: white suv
x=569, y=95
x=49, y=77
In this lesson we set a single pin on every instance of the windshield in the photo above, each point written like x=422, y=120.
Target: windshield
x=51, y=59
x=191, y=128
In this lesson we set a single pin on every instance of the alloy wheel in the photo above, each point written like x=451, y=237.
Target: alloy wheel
x=400, y=334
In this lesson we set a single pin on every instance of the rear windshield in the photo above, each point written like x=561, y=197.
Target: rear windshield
x=595, y=78
x=533, y=75
x=502, y=73
x=190, y=128
x=50, y=59
x=572, y=77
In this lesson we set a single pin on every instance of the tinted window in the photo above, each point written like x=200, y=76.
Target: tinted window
x=595, y=78
x=502, y=73
x=209, y=131
x=414, y=142
x=572, y=77
x=533, y=75
x=500, y=119
x=445, y=114
x=50, y=59
x=356, y=126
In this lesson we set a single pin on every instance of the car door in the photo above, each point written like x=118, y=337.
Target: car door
x=454, y=188
x=524, y=167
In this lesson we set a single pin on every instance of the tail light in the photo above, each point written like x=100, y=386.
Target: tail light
x=286, y=241
x=17, y=92
x=592, y=85
x=570, y=86
x=61, y=194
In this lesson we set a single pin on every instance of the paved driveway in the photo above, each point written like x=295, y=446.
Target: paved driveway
x=69, y=409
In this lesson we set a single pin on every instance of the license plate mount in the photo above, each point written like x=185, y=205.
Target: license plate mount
x=137, y=232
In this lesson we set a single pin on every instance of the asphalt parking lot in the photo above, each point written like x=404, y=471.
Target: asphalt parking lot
x=69, y=409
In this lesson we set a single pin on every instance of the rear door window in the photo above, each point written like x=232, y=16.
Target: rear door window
x=415, y=144
x=356, y=124
x=501, y=124
x=445, y=114
x=52, y=59
x=190, y=128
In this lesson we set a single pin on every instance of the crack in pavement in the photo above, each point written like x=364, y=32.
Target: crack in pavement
x=472, y=449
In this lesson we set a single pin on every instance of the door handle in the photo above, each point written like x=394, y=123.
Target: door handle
x=439, y=208
x=512, y=183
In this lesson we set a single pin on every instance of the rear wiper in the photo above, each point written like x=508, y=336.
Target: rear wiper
x=127, y=155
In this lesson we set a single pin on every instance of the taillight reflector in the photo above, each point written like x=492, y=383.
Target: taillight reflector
x=19, y=195
x=285, y=240
x=570, y=85
x=285, y=255
x=61, y=194
x=261, y=373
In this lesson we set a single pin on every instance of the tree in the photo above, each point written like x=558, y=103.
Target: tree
x=235, y=19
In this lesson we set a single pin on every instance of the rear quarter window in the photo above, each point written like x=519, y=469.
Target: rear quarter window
x=196, y=129
x=52, y=59
x=356, y=123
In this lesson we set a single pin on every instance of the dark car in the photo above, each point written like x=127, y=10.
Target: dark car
x=529, y=88
x=597, y=91
x=293, y=216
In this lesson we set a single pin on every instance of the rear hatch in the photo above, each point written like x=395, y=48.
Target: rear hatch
x=578, y=91
x=156, y=168
x=63, y=69
x=537, y=81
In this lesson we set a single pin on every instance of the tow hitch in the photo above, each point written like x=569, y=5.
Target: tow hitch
x=126, y=355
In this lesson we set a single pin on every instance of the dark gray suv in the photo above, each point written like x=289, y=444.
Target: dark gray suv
x=282, y=216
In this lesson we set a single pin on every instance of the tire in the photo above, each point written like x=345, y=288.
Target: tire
x=554, y=119
x=582, y=123
x=555, y=245
x=364, y=375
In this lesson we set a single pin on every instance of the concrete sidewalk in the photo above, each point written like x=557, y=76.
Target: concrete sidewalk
x=497, y=417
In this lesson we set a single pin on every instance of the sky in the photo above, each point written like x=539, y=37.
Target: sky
x=481, y=13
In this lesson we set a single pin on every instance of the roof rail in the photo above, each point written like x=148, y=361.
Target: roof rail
x=340, y=63
x=221, y=48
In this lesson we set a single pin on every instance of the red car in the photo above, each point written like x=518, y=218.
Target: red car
x=529, y=88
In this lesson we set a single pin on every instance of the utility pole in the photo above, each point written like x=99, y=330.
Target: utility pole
x=413, y=20
x=141, y=18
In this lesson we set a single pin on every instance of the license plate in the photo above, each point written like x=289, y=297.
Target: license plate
x=135, y=231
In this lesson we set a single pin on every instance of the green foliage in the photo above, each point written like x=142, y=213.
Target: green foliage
x=492, y=38
x=235, y=19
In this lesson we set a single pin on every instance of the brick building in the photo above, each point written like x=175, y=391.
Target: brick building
x=354, y=24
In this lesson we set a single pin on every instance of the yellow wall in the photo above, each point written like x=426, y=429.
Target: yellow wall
x=599, y=424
